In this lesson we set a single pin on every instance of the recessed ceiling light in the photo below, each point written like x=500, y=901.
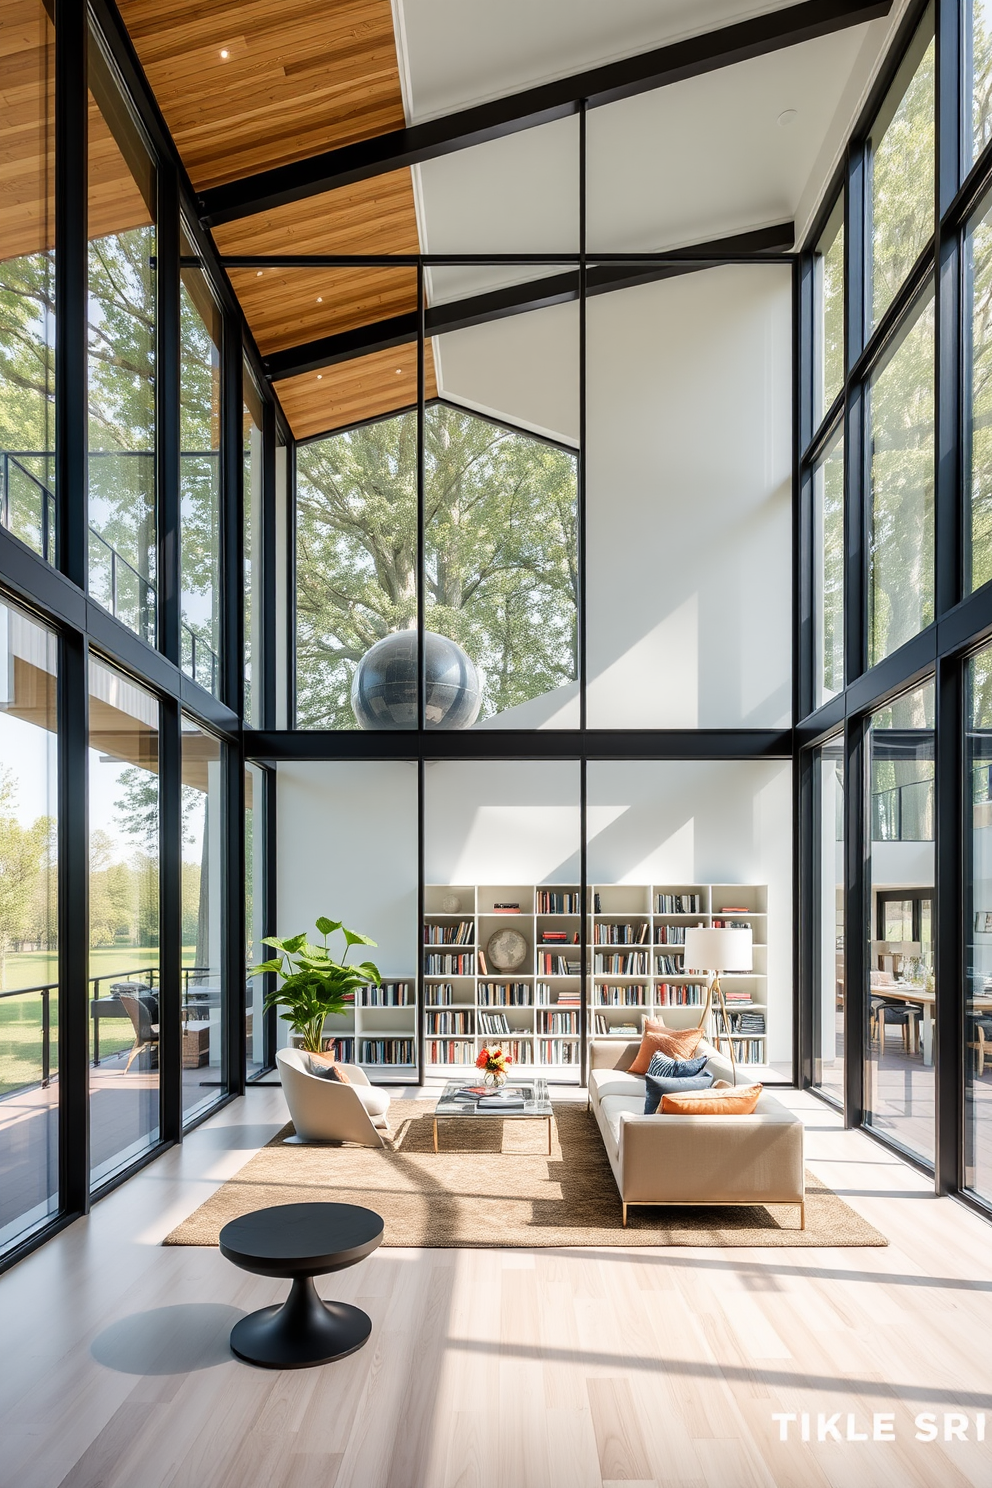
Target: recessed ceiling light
x=320, y=376
x=258, y=274
x=225, y=55
x=398, y=371
x=320, y=299
x=787, y=117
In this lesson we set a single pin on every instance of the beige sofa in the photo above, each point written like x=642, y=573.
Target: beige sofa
x=662, y=1160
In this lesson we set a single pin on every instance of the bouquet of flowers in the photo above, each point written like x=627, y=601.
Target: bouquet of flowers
x=493, y=1061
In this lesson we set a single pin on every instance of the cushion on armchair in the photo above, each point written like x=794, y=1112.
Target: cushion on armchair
x=327, y=1068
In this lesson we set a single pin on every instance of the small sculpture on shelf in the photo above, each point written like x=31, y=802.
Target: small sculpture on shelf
x=507, y=950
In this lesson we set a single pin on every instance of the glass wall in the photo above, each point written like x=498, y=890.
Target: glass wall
x=828, y=571
x=199, y=410
x=901, y=404
x=255, y=926
x=829, y=971
x=124, y=841
x=252, y=488
x=978, y=440
x=121, y=358
x=828, y=312
x=978, y=53
x=901, y=172
x=978, y=929
x=29, y=974
x=899, y=1095
x=27, y=300
x=204, y=1003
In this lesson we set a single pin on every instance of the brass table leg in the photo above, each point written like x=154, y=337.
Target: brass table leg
x=549, y=1136
x=435, y=1133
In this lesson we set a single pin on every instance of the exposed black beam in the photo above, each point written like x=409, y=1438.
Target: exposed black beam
x=271, y=746
x=674, y=63
x=518, y=299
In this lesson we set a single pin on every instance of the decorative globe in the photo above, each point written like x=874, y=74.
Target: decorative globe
x=384, y=687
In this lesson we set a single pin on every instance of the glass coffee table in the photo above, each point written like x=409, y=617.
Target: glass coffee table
x=536, y=1106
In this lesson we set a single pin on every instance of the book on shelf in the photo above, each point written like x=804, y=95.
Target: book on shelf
x=438, y=994
x=506, y=908
x=631, y=1029
x=734, y=909
x=570, y=997
x=437, y=964
x=387, y=1051
x=388, y=994
x=451, y=1021
x=558, y=1051
x=504, y=994
x=554, y=937
x=731, y=924
x=669, y=935
x=686, y=994
x=555, y=1022
x=492, y=1023
x=483, y=965
x=622, y=963
x=680, y=904
x=439, y=934
x=342, y=1049
x=622, y=996
x=620, y=934
x=746, y=1050
x=550, y=965
x=450, y=1051
x=671, y=965
x=551, y=901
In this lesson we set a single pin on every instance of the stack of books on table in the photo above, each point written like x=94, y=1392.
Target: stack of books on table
x=506, y=908
x=512, y=1100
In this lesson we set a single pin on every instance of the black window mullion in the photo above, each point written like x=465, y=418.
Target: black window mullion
x=234, y=939
x=265, y=664
x=948, y=494
x=232, y=611
x=73, y=926
x=71, y=129
x=806, y=1015
x=855, y=503
x=170, y=920
x=167, y=417
x=949, y=953
x=857, y=915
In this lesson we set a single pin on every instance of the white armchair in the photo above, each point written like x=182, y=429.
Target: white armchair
x=327, y=1110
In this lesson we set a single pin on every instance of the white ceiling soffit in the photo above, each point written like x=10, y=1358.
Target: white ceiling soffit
x=460, y=52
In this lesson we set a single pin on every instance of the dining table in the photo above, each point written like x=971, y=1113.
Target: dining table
x=926, y=1000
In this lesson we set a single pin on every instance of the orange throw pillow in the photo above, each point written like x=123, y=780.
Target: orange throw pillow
x=677, y=1043
x=739, y=1102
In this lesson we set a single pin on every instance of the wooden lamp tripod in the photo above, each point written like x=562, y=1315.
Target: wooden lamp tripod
x=717, y=950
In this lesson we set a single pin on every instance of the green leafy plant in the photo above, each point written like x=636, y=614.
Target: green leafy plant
x=315, y=986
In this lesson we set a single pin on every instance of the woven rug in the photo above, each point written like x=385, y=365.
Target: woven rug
x=493, y=1185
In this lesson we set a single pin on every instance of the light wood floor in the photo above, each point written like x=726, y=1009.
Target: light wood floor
x=503, y=1369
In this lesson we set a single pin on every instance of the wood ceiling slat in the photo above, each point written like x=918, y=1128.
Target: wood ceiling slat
x=27, y=135
x=300, y=75
x=353, y=391
x=283, y=311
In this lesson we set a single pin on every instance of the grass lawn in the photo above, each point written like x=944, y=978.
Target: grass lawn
x=20, y=1017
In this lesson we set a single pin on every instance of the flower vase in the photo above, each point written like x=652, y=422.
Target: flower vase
x=496, y=1079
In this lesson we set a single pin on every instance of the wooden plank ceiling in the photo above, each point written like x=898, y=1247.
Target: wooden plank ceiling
x=245, y=85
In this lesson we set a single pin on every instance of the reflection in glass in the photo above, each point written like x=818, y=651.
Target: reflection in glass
x=254, y=913
x=252, y=487
x=501, y=568
x=829, y=976
x=121, y=359
x=899, y=1093
x=29, y=990
x=900, y=583
x=978, y=441
x=27, y=286
x=124, y=920
x=828, y=315
x=828, y=570
x=978, y=45
x=902, y=172
x=978, y=930
x=199, y=473
x=204, y=1003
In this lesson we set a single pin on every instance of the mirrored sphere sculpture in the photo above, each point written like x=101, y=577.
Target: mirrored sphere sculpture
x=384, y=687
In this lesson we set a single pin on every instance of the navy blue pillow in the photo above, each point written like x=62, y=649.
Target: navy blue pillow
x=676, y=1069
x=655, y=1086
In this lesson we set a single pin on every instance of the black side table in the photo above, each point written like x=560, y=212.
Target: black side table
x=301, y=1241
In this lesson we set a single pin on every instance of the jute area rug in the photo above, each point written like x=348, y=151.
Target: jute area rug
x=493, y=1185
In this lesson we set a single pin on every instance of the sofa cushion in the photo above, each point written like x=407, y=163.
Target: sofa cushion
x=615, y=1082
x=325, y=1067
x=680, y=1043
x=656, y=1086
x=613, y=1107
x=740, y=1101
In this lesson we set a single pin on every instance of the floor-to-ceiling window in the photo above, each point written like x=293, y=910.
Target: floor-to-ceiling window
x=121, y=358
x=255, y=926
x=902, y=993
x=204, y=999
x=978, y=927
x=29, y=976
x=829, y=966
x=27, y=275
x=199, y=471
x=251, y=476
x=124, y=990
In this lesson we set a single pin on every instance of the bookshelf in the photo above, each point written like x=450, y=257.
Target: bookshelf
x=380, y=1032
x=635, y=969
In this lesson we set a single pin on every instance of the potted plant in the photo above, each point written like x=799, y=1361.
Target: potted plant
x=315, y=986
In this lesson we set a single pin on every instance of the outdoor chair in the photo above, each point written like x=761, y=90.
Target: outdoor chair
x=139, y=1010
x=981, y=1028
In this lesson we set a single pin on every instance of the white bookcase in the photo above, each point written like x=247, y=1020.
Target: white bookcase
x=634, y=961
x=380, y=1032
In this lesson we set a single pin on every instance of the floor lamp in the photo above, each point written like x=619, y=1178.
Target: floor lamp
x=716, y=951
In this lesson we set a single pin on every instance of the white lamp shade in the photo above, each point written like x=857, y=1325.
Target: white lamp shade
x=718, y=950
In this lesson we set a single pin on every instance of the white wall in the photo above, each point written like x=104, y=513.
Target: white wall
x=347, y=848
x=703, y=821
x=502, y=822
x=689, y=416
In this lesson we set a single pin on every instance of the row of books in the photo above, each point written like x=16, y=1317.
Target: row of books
x=669, y=935
x=388, y=994
x=746, y=1051
x=490, y=1023
x=449, y=1022
x=387, y=1051
x=548, y=964
x=623, y=963
x=731, y=924
x=557, y=1051
x=456, y=1051
x=438, y=994
x=550, y=901
x=749, y=1023
x=620, y=934
x=625, y=996
x=436, y=964
x=735, y=994
x=670, y=965
x=461, y=934
x=553, y=1022
x=505, y=994
x=686, y=994
x=679, y=904
x=558, y=937
x=570, y=997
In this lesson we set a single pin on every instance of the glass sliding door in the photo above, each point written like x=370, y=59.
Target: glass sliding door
x=121, y=358
x=203, y=880
x=252, y=488
x=123, y=992
x=256, y=1054
x=29, y=990
x=27, y=273
x=899, y=1094
x=978, y=929
x=829, y=965
x=199, y=472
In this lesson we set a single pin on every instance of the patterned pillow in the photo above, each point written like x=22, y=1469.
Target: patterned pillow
x=656, y=1087
x=672, y=1068
x=327, y=1069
